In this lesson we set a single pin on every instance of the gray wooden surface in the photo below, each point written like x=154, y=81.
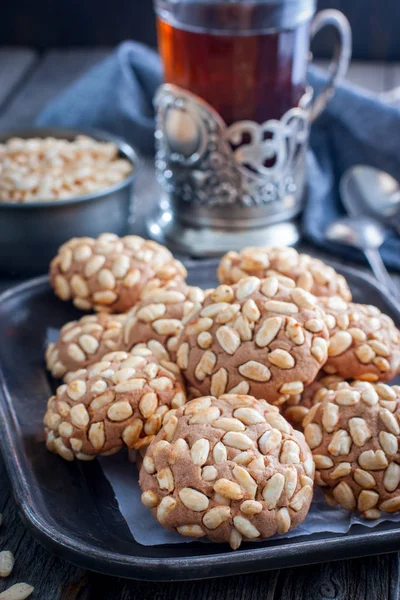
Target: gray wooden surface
x=27, y=82
x=14, y=66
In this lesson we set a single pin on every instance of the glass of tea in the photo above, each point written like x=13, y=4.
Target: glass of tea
x=234, y=117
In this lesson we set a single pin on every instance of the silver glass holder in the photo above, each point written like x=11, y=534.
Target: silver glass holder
x=227, y=187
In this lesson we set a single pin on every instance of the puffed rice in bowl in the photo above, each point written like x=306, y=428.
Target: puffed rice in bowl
x=56, y=184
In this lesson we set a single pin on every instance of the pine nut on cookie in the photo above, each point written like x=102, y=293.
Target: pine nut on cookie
x=229, y=469
x=298, y=406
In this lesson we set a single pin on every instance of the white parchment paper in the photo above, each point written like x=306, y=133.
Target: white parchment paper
x=123, y=478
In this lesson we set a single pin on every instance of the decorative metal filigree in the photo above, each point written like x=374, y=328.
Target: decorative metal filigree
x=203, y=161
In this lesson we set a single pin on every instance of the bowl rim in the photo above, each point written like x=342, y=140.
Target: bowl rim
x=63, y=133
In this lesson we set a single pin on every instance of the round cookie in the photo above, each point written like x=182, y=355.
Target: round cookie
x=308, y=273
x=122, y=400
x=161, y=316
x=84, y=342
x=229, y=469
x=110, y=273
x=364, y=343
x=298, y=406
x=257, y=337
x=354, y=436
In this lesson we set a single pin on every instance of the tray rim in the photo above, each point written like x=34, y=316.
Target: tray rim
x=309, y=551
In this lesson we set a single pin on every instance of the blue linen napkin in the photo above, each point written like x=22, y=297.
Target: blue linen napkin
x=356, y=128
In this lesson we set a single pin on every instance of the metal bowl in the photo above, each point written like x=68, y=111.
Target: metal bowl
x=31, y=233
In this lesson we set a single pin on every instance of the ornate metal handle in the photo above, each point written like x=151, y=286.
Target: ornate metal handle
x=341, y=60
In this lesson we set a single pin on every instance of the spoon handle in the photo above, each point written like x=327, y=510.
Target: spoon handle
x=380, y=271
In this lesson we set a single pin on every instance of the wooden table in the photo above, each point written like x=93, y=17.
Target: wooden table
x=27, y=82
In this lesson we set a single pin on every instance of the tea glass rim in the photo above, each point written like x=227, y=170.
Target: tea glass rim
x=284, y=15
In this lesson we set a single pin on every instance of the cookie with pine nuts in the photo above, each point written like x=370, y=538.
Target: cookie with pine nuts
x=307, y=272
x=354, y=436
x=364, y=343
x=161, y=316
x=83, y=343
x=256, y=337
x=228, y=469
x=109, y=273
x=121, y=401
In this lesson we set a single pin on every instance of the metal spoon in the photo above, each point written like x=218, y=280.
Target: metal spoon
x=368, y=191
x=367, y=235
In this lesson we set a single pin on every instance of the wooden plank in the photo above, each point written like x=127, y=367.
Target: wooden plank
x=369, y=76
x=53, y=578
x=55, y=71
x=15, y=63
x=372, y=76
x=361, y=579
x=374, y=28
x=94, y=22
x=393, y=93
x=90, y=23
x=395, y=75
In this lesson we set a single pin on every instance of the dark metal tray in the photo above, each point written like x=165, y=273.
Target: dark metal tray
x=70, y=508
